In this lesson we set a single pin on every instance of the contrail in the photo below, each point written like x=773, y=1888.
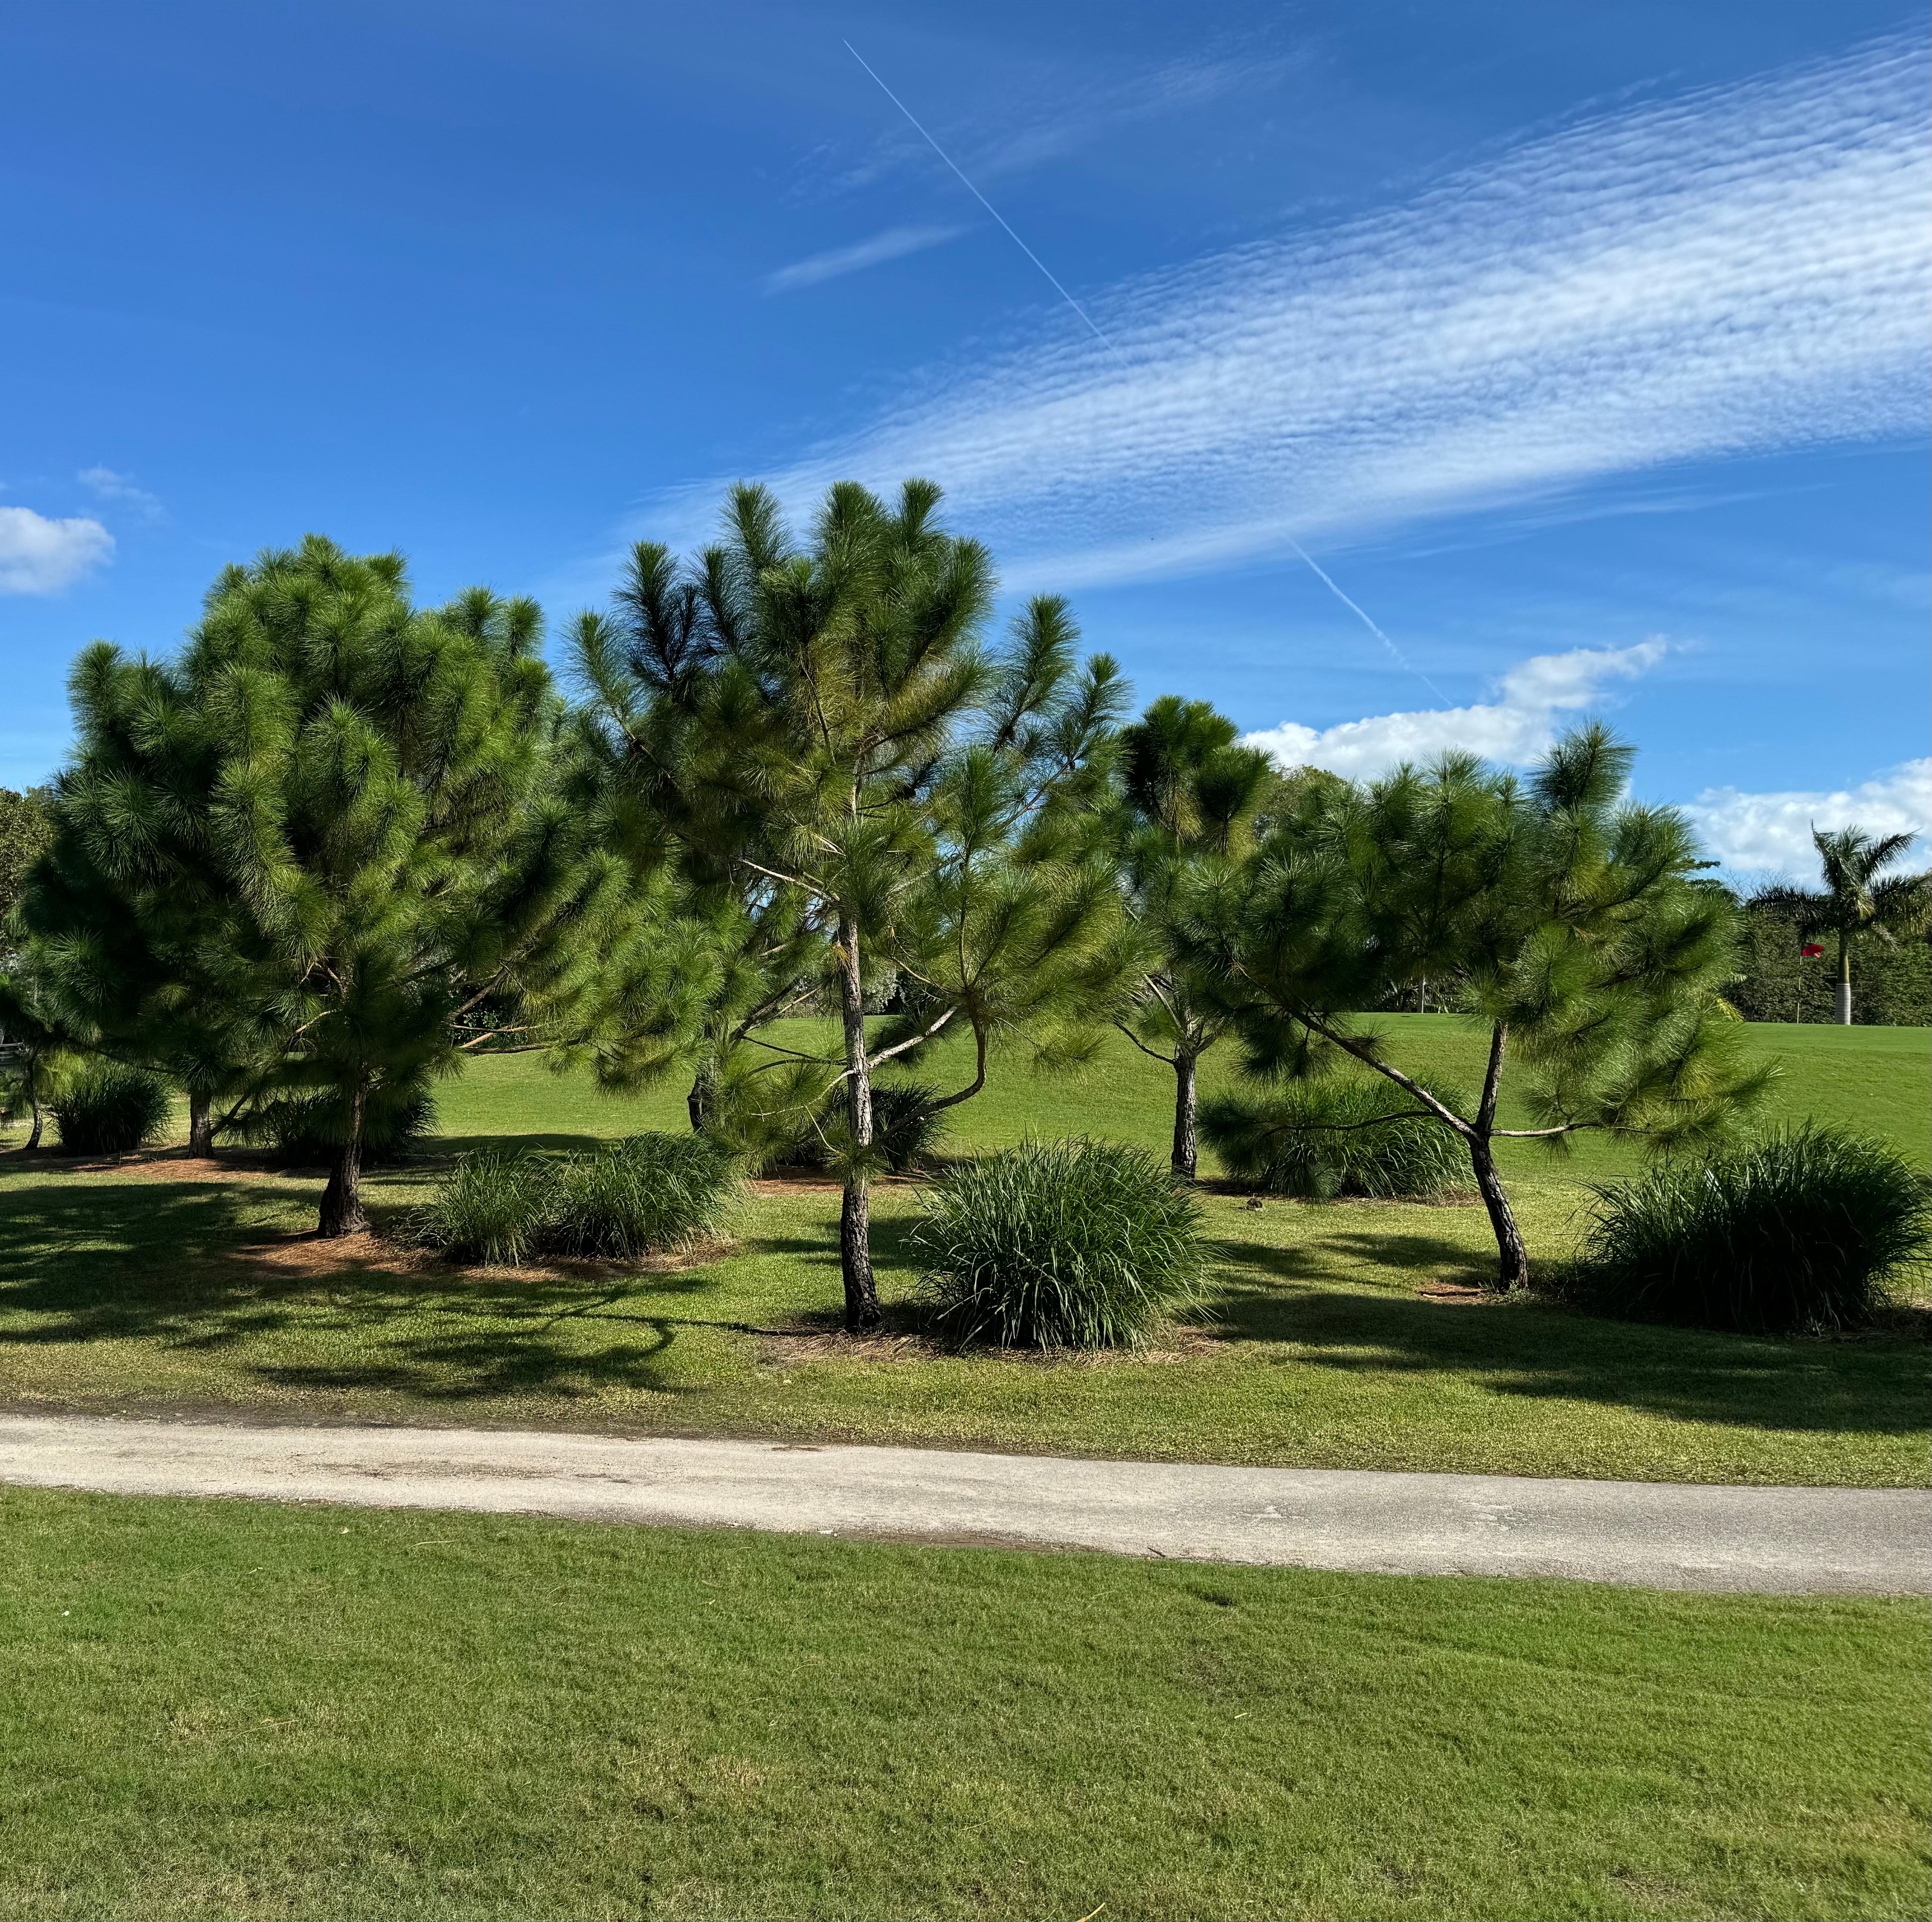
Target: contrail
x=987, y=204
x=1360, y=613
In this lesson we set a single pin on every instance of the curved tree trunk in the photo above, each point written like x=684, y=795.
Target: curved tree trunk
x=200, y=1126
x=40, y=1119
x=342, y=1210
x=1186, y=1101
x=1513, y=1258
x=855, y=1216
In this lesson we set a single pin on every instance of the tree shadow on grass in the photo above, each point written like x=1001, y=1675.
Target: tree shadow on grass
x=1537, y=1349
x=193, y=1268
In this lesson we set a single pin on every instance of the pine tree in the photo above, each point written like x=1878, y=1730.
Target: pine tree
x=1569, y=919
x=823, y=719
x=364, y=814
x=1192, y=798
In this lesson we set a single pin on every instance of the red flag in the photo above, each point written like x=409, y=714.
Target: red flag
x=1810, y=951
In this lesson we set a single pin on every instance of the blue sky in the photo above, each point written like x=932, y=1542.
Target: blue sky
x=1584, y=348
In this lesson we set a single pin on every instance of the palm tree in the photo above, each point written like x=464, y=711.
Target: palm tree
x=1857, y=900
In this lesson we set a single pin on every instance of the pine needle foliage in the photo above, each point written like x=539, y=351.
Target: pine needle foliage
x=1570, y=919
x=1338, y=1136
x=1191, y=798
x=1076, y=1243
x=822, y=718
x=360, y=819
x=1800, y=1233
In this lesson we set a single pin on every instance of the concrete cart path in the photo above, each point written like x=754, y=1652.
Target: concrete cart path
x=1668, y=1535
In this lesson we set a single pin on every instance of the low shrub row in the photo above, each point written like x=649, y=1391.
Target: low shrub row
x=649, y=1194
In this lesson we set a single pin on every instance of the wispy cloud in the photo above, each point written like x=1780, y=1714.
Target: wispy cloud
x=1059, y=115
x=1770, y=834
x=40, y=555
x=1741, y=270
x=894, y=244
x=1533, y=700
x=108, y=485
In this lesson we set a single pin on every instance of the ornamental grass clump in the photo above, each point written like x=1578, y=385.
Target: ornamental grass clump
x=1076, y=1243
x=1797, y=1233
x=493, y=1206
x=1317, y=1140
x=107, y=1109
x=645, y=1195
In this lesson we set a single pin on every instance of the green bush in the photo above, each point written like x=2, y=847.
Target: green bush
x=306, y=1130
x=905, y=1130
x=640, y=1196
x=1799, y=1232
x=493, y=1206
x=643, y=1195
x=105, y=1109
x=1074, y=1244
x=1320, y=1139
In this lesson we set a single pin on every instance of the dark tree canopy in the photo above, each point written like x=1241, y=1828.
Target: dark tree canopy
x=354, y=815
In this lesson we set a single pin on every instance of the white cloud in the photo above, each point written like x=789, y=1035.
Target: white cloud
x=38, y=556
x=892, y=244
x=1740, y=270
x=109, y=485
x=1518, y=727
x=1771, y=833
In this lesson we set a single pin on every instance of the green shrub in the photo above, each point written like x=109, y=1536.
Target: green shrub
x=306, y=1130
x=905, y=1130
x=1074, y=1244
x=1320, y=1139
x=1797, y=1232
x=640, y=1196
x=494, y=1206
x=105, y=1109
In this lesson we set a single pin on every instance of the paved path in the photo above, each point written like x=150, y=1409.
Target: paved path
x=1670, y=1535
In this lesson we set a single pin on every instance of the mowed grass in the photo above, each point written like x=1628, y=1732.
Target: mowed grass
x=222, y=1709
x=1334, y=1338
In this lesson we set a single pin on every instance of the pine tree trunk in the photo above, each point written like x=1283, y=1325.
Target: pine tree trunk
x=855, y=1217
x=342, y=1211
x=1842, y=1014
x=1185, y=1102
x=701, y=1103
x=200, y=1127
x=1513, y=1262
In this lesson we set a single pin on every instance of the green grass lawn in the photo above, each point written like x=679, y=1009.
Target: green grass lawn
x=216, y=1709
x=120, y=1290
